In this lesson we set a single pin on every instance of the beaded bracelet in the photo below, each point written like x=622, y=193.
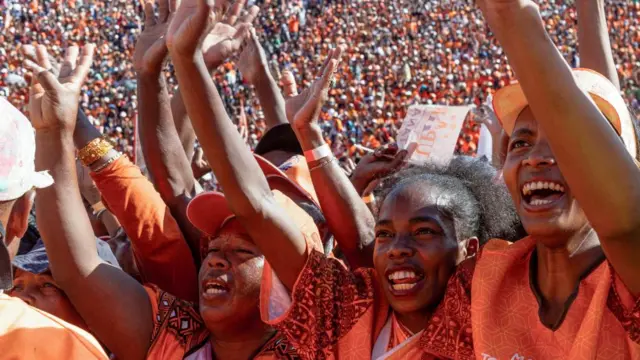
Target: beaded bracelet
x=107, y=163
x=94, y=150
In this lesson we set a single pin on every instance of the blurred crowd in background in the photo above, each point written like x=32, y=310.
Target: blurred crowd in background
x=399, y=53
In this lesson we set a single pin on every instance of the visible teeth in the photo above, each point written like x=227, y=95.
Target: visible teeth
x=537, y=202
x=213, y=291
x=400, y=275
x=541, y=185
x=402, y=286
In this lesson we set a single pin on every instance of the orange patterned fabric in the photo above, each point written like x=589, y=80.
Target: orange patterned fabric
x=179, y=331
x=603, y=322
x=335, y=313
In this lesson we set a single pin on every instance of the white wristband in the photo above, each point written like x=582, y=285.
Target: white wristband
x=317, y=153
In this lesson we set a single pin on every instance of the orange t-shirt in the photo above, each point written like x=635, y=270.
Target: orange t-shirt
x=27, y=333
x=500, y=310
x=336, y=313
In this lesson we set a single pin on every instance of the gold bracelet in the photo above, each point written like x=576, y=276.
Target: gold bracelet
x=94, y=150
x=324, y=162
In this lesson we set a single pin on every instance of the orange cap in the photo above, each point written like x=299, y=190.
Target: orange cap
x=509, y=102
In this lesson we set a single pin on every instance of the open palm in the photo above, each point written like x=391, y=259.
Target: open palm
x=304, y=109
x=54, y=99
x=151, y=47
x=252, y=60
x=227, y=36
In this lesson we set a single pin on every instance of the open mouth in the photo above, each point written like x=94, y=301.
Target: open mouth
x=542, y=193
x=404, y=281
x=217, y=286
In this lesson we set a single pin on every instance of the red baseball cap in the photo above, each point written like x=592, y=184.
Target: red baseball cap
x=209, y=212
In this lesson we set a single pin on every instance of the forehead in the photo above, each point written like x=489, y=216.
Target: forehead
x=525, y=120
x=232, y=233
x=25, y=275
x=420, y=197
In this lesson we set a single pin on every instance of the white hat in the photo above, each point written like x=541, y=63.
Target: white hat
x=17, y=155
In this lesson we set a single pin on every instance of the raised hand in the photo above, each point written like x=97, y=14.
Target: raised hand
x=253, y=60
x=483, y=114
x=29, y=52
x=374, y=166
x=304, y=109
x=227, y=36
x=54, y=99
x=191, y=21
x=151, y=47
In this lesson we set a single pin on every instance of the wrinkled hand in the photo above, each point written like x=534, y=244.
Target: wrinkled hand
x=304, y=109
x=151, y=47
x=382, y=162
x=253, y=60
x=227, y=36
x=54, y=99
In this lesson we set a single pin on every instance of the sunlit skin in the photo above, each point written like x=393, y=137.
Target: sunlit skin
x=235, y=311
x=42, y=292
x=567, y=246
x=414, y=233
x=529, y=158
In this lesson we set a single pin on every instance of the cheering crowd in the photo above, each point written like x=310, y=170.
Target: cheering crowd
x=531, y=254
x=400, y=53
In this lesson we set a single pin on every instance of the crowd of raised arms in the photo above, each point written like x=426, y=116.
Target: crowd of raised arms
x=532, y=255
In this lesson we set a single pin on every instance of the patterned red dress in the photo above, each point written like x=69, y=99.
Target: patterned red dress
x=333, y=312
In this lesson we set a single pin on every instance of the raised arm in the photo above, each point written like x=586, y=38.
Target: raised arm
x=347, y=215
x=255, y=69
x=593, y=39
x=598, y=174
x=245, y=187
x=168, y=164
x=113, y=304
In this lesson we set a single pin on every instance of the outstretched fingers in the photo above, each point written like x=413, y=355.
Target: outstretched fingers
x=41, y=77
x=69, y=62
x=234, y=12
x=149, y=15
x=249, y=15
x=163, y=10
x=84, y=65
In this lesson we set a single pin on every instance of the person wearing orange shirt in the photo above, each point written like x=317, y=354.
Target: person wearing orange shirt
x=570, y=289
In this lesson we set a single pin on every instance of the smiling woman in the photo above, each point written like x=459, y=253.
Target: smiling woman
x=431, y=218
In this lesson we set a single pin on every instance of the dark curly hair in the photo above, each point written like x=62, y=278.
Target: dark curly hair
x=482, y=207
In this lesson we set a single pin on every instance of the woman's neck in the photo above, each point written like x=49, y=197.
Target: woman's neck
x=560, y=269
x=240, y=341
x=414, y=321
